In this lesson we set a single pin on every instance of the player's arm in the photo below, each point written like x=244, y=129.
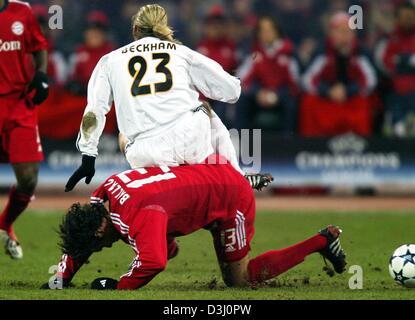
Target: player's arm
x=67, y=268
x=41, y=60
x=212, y=81
x=40, y=82
x=37, y=45
x=100, y=99
x=148, y=238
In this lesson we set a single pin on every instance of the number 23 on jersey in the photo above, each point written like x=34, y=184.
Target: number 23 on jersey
x=137, y=67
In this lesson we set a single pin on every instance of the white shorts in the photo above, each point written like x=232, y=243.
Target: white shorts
x=187, y=142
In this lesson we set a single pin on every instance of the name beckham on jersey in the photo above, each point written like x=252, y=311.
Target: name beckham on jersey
x=10, y=45
x=146, y=47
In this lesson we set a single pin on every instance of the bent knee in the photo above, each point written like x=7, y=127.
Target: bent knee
x=159, y=265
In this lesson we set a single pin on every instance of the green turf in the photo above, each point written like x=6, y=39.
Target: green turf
x=368, y=238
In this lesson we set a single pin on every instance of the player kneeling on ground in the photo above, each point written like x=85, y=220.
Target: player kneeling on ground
x=149, y=207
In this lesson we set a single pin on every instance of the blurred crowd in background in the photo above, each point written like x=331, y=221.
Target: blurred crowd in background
x=304, y=71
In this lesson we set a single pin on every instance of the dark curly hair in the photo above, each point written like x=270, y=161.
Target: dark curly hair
x=78, y=228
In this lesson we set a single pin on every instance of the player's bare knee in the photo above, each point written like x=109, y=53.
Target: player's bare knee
x=233, y=277
x=235, y=274
x=235, y=282
x=27, y=184
x=27, y=177
x=122, y=142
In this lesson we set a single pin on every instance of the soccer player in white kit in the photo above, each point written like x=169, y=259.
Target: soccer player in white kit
x=154, y=83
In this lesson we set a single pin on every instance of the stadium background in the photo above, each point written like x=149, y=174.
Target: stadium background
x=341, y=160
x=309, y=163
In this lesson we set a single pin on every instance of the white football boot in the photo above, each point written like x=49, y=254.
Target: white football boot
x=12, y=247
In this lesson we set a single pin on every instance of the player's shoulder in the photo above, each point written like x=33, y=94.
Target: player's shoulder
x=20, y=6
x=146, y=46
x=192, y=54
x=103, y=62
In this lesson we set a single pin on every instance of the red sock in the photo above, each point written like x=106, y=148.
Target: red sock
x=18, y=202
x=272, y=263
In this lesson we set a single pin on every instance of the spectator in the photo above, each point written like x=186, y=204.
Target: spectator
x=87, y=55
x=217, y=45
x=57, y=66
x=397, y=59
x=338, y=85
x=269, y=80
x=242, y=24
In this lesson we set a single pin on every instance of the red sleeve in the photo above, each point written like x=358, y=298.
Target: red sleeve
x=35, y=41
x=313, y=74
x=68, y=267
x=99, y=195
x=148, y=239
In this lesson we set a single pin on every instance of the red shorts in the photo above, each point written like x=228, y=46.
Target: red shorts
x=232, y=236
x=19, y=135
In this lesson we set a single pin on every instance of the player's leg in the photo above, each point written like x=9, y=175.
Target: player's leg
x=25, y=153
x=272, y=263
x=232, y=237
x=222, y=143
x=19, y=199
x=232, y=240
x=186, y=142
x=172, y=248
x=122, y=142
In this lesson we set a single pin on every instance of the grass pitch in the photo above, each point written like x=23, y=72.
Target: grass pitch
x=368, y=238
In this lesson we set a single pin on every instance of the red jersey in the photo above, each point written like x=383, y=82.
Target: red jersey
x=20, y=34
x=192, y=196
x=151, y=206
x=223, y=51
x=271, y=68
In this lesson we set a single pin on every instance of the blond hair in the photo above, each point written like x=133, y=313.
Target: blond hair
x=151, y=20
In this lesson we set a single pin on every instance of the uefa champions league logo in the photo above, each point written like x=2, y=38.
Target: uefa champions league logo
x=347, y=143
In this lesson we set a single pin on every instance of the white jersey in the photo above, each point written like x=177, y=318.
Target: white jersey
x=153, y=83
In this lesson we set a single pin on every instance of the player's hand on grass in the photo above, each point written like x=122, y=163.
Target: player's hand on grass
x=40, y=84
x=104, y=284
x=86, y=170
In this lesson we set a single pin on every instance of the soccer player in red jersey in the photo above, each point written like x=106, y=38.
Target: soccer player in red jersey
x=148, y=208
x=20, y=91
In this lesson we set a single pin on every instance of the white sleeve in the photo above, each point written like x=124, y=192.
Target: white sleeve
x=100, y=99
x=212, y=81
